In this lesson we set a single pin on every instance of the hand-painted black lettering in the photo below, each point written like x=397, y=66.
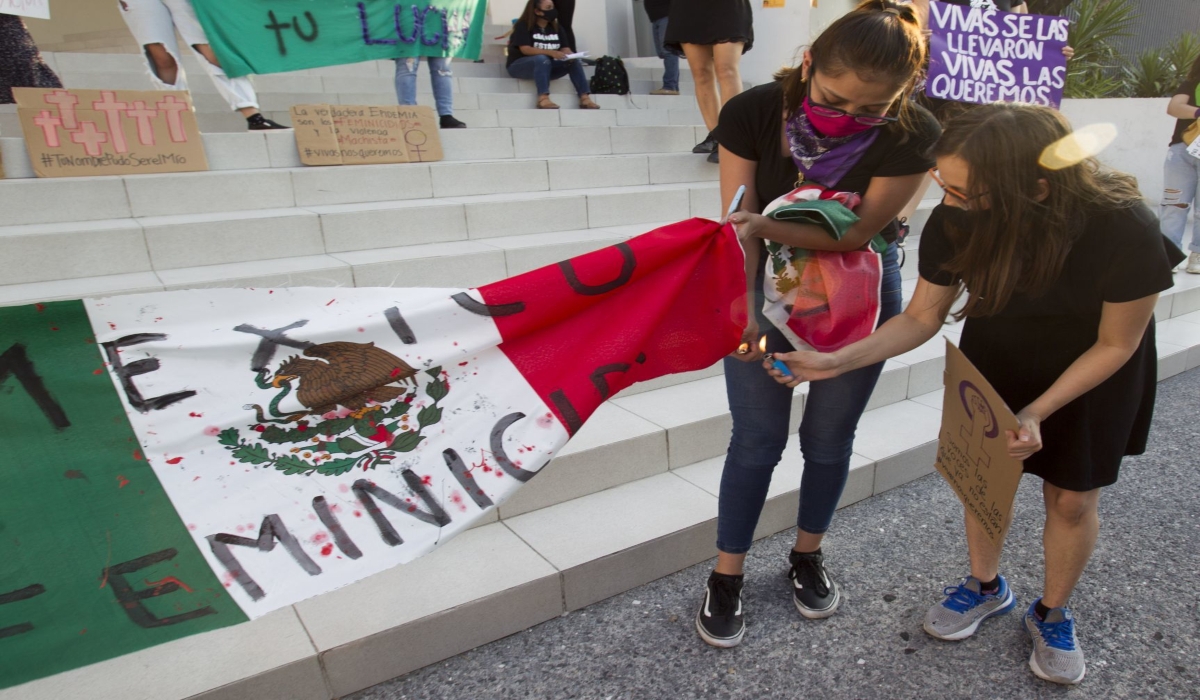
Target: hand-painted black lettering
x=569, y=414
x=464, y=300
x=278, y=27
x=15, y=596
x=497, y=444
x=14, y=361
x=628, y=265
x=340, y=538
x=599, y=380
x=272, y=529
x=463, y=476
x=126, y=373
x=399, y=326
x=365, y=490
x=131, y=600
x=272, y=339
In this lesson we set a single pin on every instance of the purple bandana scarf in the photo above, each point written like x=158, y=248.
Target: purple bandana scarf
x=822, y=159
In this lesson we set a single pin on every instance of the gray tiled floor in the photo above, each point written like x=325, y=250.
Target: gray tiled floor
x=1136, y=607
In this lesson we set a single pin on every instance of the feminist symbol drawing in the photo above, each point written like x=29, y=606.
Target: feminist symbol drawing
x=984, y=425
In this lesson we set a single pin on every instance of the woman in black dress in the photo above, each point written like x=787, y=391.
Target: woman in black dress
x=1061, y=268
x=713, y=35
x=21, y=64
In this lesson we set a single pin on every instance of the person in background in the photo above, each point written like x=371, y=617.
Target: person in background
x=1181, y=171
x=713, y=35
x=21, y=63
x=153, y=24
x=1061, y=266
x=537, y=51
x=658, y=11
x=842, y=119
x=440, y=76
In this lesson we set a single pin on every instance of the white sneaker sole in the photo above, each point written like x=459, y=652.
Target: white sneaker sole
x=820, y=614
x=717, y=641
x=1009, y=604
x=1037, y=671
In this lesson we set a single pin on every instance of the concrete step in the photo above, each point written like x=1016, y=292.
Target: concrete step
x=535, y=564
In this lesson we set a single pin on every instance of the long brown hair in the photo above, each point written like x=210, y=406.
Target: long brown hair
x=1021, y=242
x=529, y=19
x=880, y=41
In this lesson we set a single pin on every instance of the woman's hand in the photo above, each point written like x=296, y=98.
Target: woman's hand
x=749, y=342
x=748, y=225
x=557, y=55
x=805, y=366
x=1028, y=438
x=1069, y=52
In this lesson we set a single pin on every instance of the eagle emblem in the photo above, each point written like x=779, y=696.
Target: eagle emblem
x=357, y=402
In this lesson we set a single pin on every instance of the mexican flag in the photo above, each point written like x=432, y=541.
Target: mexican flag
x=172, y=463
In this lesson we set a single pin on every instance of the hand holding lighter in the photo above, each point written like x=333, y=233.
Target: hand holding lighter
x=779, y=364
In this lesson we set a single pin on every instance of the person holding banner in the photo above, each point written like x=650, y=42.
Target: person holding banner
x=538, y=50
x=842, y=119
x=153, y=24
x=1060, y=264
x=1181, y=171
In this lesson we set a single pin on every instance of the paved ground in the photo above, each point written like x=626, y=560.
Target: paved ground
x=1138, y=608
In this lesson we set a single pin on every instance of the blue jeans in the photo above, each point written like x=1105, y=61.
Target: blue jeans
x=543, y=69
x=761, y=410
x=1181, y=186
x=440, y=76
x=669, y=57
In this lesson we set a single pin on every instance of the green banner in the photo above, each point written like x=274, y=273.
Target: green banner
x=273, y=36
x=94, y=560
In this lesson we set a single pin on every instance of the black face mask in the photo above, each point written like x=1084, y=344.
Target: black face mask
x=549, y=15
x=967, y=221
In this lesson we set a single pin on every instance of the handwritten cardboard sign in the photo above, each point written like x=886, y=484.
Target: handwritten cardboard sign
x=983, y=56
x=26, y=8
x=972, y=446
x=109, y=132
x=365, y=134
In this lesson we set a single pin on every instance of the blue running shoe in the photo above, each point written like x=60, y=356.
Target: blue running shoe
x=1056, y=654
x=959, y=614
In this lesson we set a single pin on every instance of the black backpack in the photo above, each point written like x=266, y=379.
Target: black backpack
x=610, y=77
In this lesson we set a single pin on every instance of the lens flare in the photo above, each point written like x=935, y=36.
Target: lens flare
x=1077, y=147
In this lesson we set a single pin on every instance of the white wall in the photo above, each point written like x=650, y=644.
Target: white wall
x=1143, y=131
x=778, y=32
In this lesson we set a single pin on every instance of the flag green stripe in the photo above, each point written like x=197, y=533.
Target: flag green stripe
x=84, y=522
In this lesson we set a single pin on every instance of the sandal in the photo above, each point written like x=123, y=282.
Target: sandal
x=545, y=103
x=585, y=102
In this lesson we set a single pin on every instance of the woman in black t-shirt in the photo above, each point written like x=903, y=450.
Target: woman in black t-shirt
x=1181, y=171
x=844, y=120
x=537, y=50
x=1061, y=268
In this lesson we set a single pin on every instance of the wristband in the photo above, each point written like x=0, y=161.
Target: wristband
x=1197, y=114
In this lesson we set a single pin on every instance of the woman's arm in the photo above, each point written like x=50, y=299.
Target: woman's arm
x=1181, y=107
x=736, y=172
x=920, y=321
x=530, y=51
x=1121, y=329
x=884, y=199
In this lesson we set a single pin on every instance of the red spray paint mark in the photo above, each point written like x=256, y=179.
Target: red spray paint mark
x=83, y=631
x=358, y=514
x=212, y=431
x=463, y=364
x=121, y=481
x=396, y=372
x=330, y=301
x=175, y=460
x=192, y=527
x=196, y=479
x=112, y=325
x=546, y=421
x=193, y=414
x=362, y=330
x=53, y=328
x=327, y=550
x=343, y=488
x=381, y=434
x=40, y=307
x=335, y=508
x=320, y=537
x=99, y=370
x=457, y=499
x=169, y=579
x=137, y=455
x=427, y=480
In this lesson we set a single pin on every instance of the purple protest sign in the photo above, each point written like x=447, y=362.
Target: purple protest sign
x=983, y=56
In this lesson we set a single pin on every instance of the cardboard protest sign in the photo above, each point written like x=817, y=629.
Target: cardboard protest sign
x=39, y=9
x=365, y=134
x=109, y=132
x=272, y=36
x=983, y=56
x=973, y=448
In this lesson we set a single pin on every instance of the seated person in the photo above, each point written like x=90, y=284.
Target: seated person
x=536, y=51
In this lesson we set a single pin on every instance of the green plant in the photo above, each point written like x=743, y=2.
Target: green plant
x=1182, y=53
x=1095, y=71
x=1157, y=72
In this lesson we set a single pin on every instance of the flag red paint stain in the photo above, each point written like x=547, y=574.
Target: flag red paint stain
x=175, y=460
x=40, y=307
x=343, y=488
x=457, y=499
x=121, y=481
x=98, y=371
x=137, y=455
x=169, y=579
x=112, y=326
x=193, y=414
x=192, y=526
x=83, y=631
x=212, y=431
x=53, y=328
x=331, y=301
x=357, y=514
x=320, y=537
x=327, y=550
x=427, y=480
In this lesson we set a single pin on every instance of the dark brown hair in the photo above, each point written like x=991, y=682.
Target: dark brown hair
x=529, y=19
x=1022, y=242
x=880, y=41
x=1194, y=74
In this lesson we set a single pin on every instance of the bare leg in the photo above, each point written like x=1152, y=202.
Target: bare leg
x=807, y=542
x=725, y=62
x=984, y=555
x=206, y=51
x=700, y=61
x=162, y=62
x=1072, y=524
x=730, y=564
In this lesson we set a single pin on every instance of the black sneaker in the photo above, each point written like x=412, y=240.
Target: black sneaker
x=449, y=122
x=708, y=145
x=714, y=157
x=815, y=594
x=719, y=620
x=257, y=122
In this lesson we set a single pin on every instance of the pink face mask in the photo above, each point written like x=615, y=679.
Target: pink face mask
x=834, y=127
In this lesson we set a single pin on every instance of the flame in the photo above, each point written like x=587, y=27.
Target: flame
x=762, y=344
